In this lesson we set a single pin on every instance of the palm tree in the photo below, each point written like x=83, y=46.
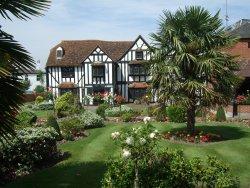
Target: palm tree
x=189, y=65
x=14, y=57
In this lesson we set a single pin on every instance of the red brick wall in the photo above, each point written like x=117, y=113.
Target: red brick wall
x=243, y=108
x=240, y=49
x=240, y=108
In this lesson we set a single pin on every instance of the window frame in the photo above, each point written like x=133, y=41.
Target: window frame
x=141, y=70
x=68, y=74
x=37, y=78
x=139, y=55
x=99, y=69
x=137, y=93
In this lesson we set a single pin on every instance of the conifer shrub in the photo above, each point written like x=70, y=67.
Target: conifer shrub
x=52, y=122
x=220, y=114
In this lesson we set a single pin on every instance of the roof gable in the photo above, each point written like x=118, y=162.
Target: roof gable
x=96, y=51
x=139, y=43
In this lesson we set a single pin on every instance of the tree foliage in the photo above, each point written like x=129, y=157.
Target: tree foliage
x=189, y=65
x=14, y=57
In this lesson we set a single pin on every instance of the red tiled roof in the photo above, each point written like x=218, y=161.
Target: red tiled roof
x=138, y=85
x=76, y=51
x=67, y=85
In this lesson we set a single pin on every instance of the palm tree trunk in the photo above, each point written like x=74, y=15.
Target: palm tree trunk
x=191, y=118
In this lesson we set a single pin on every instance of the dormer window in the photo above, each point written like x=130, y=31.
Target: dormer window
x=139, y=55
x=59, y=53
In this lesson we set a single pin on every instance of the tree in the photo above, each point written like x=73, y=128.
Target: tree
x=188, y=64
x=26, y=85
x=14, y=57
x=39, y=89
x=40, y=76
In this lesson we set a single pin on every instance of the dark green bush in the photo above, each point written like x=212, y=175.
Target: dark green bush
x=71, y=127
x=52, y=122
x=101, y=109
x=31, y=148
x=176, y=113
x=67, y=105
x=127, y=117
x=220, y=114
x=39, y=89
x=26, y=117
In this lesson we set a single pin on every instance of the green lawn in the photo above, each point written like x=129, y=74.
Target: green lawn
x=43, y=113
x=86, y=165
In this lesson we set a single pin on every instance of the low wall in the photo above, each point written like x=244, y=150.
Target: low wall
x=31, y=97
x=242, y=110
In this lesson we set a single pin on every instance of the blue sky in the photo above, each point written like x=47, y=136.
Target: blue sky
x=104, y=19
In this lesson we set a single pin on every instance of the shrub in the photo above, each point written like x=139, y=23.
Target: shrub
x=52, y=122
x=142, y=164
x=44, y=106
x=91, y=120
x=31, y=148
x=176, y=113
x=71, y=127
x=39, y=89
x=127, y=117
x=117, y=111
x=220, y=114
x=26, y=117
x=67, y=105
x=160, y=113
x=39, y=99
x=101, y=109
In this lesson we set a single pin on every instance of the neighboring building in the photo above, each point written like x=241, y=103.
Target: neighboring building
x=241, y=29
x=242, y=49
x=86, y=67
x=34, y=80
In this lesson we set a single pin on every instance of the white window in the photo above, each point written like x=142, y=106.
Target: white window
x=59, y=53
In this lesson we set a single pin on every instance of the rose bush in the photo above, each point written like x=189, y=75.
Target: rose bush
x=142, y=164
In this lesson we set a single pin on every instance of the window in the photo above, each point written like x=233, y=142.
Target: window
x=139, y=55
x=137, y=70
x=26, y=77
x=68, y=72
x=136, y=93
x=98, y=71
x=37, y=78
x=59, y=53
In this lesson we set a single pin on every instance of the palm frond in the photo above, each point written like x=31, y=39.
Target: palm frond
x=13, y=58
x=23, y=9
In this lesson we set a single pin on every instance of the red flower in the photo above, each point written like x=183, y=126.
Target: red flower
x=240, y=99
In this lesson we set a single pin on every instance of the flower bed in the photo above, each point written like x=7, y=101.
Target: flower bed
x=197, y=137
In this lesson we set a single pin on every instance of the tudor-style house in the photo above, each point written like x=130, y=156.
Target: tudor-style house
x=86, y=67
